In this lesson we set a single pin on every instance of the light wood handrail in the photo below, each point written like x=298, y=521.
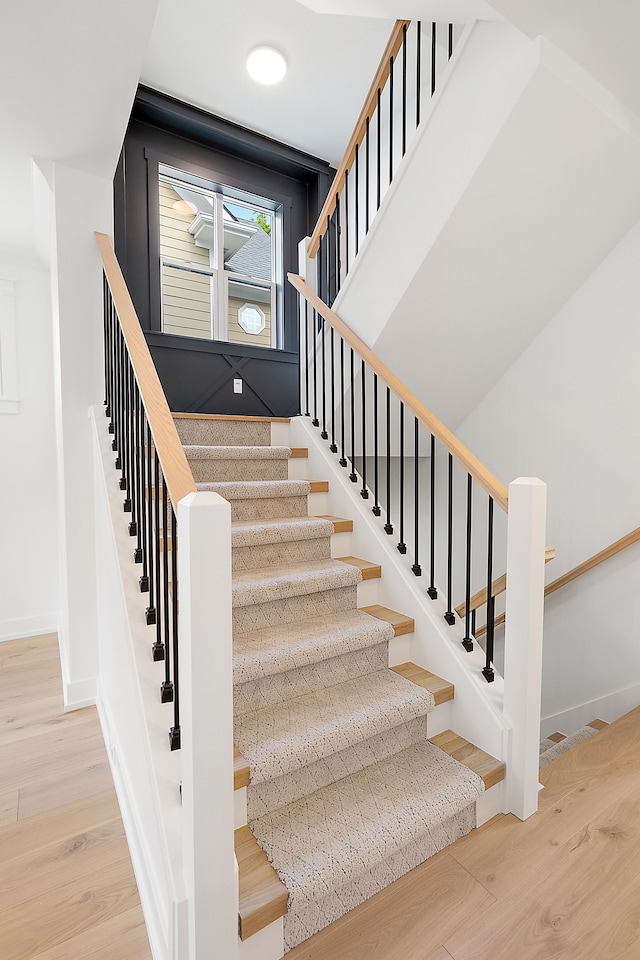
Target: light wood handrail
x=593, y=561
x=497, y=587
x=576, y=572
x=378, y=82
x=177, y=473
x=471, y=464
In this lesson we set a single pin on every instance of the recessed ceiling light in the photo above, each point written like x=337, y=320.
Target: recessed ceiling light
x=266, y=65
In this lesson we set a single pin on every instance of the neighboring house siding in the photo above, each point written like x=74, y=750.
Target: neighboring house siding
x=175, y=240
x=186, y=303
x=238, y=335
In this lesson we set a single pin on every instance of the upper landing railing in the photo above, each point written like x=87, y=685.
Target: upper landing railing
x=408, y=75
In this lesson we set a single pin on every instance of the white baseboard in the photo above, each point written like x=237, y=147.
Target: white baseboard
x=79, y=693
x=607, y=708
x=28, y=626
x=266, y=944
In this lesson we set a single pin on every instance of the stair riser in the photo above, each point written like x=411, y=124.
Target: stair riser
x=261, y=615
x=210, y=471
x=265, y=797
x=223, y=433
x=317, y=676
x=302, y=922
x=269, y=509
x=266, y=555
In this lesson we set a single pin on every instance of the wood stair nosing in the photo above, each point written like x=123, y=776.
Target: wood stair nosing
x=241, y=771
x=491, y=771
x=442, y=690
x=368, y=569
x=263, y=896
x=340, y=524
x=318, y=486
x=402, y=624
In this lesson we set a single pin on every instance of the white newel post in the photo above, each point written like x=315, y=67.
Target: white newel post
x=206, y=720
x=523, y=639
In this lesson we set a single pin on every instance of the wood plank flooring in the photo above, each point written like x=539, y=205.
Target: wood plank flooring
x=67, y=888
x=564, y=885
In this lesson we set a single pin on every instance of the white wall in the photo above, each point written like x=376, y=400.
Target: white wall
x=28, y=560
x=82, y=203
x=567, y=411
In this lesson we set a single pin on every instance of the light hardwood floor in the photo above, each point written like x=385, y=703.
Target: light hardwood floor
x=67, y=890
x=564, y=885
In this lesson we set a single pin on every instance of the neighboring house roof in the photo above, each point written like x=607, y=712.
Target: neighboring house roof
x=254, y=257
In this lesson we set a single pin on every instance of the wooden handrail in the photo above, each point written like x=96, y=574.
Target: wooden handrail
x=378, y=82
x=177, y=473
x=593, y=561
x=471, y=464
x=497, y=587
x=576, y=572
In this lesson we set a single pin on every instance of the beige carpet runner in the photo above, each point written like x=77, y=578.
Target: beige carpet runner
x=346, y=793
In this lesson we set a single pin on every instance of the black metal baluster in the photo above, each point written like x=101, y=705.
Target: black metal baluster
x=353, y=476
x=115, y=416
x=433, y=58
x=467, y=643
x=166, y=690
x=137, y=503
x=174, y=732
x=158, y=646
x=333, y=447
x=450, y=616
x=338, y=241
x=404, y=89
x=473, y=623
x=366, y=182
x=306, y=350
x=390, y=120
x=346, y=223
x=431, y=589
x=388, y=527
x=152, y=496
x=343, y=449
x=487, y=670
x=364, y=493
x=106, y=347
x=323, y=385
x=378, y=149
x=315, y=421
x=450, y=45
x=376, y=511
x=402, y=547
x=128, y=465
x=324, y=294
x=330, y=288
x=357, y=200
x=416, y=568
x=144, y=483
x=418, y=68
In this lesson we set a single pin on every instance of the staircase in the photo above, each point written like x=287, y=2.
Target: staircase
x=557, y=744
x=344, y=792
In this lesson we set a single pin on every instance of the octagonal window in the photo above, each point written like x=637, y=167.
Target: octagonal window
x=251, y=318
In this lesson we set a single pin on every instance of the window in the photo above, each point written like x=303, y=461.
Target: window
x=220, y=262
x=251, y=318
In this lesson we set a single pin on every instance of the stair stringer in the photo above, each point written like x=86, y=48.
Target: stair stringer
x=476, y=710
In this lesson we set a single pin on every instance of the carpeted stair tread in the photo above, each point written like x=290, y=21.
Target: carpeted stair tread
x=292, y=580
x=373, y=814
x=563, y=746
x=256, y=489
x=261, y=653
x=288, y=736
x=253, y=533
x=205, y=452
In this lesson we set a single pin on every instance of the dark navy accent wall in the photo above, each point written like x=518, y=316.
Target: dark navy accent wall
x=197, y=375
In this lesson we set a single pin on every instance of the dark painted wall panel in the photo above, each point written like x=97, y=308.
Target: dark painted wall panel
x=198, y=375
